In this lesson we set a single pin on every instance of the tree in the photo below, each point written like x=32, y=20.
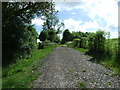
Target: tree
x=51, y=35
x=76, y=42
x=43, y=36
x=77, y=35
x=57, y=39
x=52, y=24
x=18, y=36
x=66, y=36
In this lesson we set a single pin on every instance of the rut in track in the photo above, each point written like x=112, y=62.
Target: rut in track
x=65, y=67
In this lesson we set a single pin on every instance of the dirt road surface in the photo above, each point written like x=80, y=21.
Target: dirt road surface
x=68, y=68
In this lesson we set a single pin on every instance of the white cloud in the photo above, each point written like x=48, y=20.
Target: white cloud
x=73, y=25
x=114, y=34
x=100, y=11
x=91, y=24
x=37, y=21
x=67, y=5
x=107, y=9
x=73, y=13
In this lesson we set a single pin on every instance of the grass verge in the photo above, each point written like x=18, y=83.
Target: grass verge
x=81, y=49
x=23, y=72
x=106, y=60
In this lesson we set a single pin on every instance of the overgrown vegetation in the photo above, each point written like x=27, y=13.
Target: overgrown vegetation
x=20, y=54
x=98, y=45
x=24, y=72
x=18, y=35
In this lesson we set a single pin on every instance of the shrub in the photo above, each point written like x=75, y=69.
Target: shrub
x=63, y=41
x=18, y=43
x=43, y=36
x=76, y=42
x=91, y=42
x=84, y=42
x=57, y=39
x=70, y=44
x=51, y=35
x=99, y=41
x=41, y=46
x=118, y=52
x=66, y=36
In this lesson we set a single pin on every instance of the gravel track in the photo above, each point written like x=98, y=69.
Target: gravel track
x=65, y=67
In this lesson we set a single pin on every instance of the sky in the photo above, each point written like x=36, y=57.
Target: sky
x=86, y=16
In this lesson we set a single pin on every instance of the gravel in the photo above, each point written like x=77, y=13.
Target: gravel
x=65, y=67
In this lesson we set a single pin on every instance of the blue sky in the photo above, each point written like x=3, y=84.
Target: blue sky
x=86, y=16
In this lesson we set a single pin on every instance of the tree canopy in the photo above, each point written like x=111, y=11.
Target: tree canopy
x=19, y=36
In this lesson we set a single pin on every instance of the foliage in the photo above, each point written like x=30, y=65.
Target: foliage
x=19, y=43
x=70, y=44
x=19, y=36
x=104, y=50
x=25, y=11
x=77, y=35
x=118, y=52
x=57, y=39
x=66, y=36
x=84, y=42
x=51, y=35
x=43, y=36
x=41, y=46
x=52, y=24
x=99, y=41
x=24, y=72
x=81, y=84
x=76, y=42
x=91, y=42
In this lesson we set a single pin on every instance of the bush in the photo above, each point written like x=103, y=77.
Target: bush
x=57, y=39
x=91, y=42
x=76, y=42
x=43, y=36
x=96, y=42
x=99, y=41
x=63, y=41
x=51, y=35
x=70, y=44
x=67, y=36
x=18, y=43
x=84, y=42
x=118, y=52
x=41, y=46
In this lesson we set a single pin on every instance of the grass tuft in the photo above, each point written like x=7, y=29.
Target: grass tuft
x=81, y=84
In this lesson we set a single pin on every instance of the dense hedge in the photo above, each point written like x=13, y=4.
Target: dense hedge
x=17, y=43
x=93, y=42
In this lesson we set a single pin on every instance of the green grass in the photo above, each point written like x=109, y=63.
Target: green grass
x=106, y=60
x=77, y=74
x=81, y=49
x=81, y=84
x=109, y=83
x=24, y=72
x=92, y=81
x=63, y=45
x=71, y=71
